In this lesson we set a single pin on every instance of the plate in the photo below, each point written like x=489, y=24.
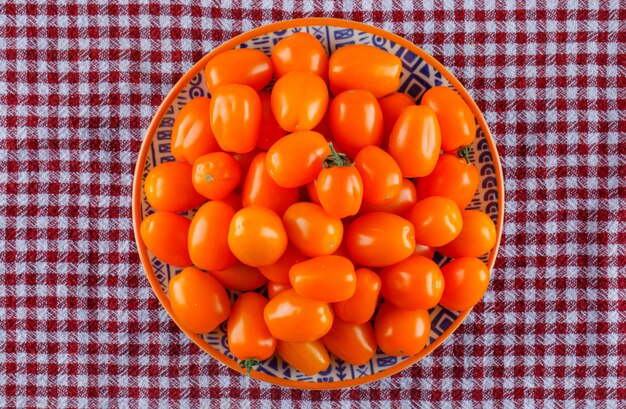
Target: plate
x=420, y=72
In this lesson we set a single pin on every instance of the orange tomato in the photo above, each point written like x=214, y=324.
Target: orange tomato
x=311, y=190
x=401, y=332
x=299, y=101
x=236, y=117
x=324, y=278
x=467, y=279
x=343, y=248
x=256, y=236
x=259, y=189
x=165, y=235
x=293, y=318
x=380, y=239
x=208, y=236
x=307, y=357
x=270, y=130
x=240, y=277
x=249, y=340
x=392, y=106
x=215, y=175
x=199, y=302
x=244, y=160
x=356, y=120
x=311, y=231
x=456, y=121
x=324, y=126
x=453, y=177
x=477, y=237
x=296, y=159
x=424, y=251
x=234, y=200
x=415, y=283
x=192, y=135
x=300, y=52
x=352, y=343
x=361, y=306
x=339, y=186
x=400, y=204
x=415, y=141
x=366, y=67
x=279, y=271
x=273, y=288
x=437, y=221
x=382, y=178
x=245, y=66
x=168, y=188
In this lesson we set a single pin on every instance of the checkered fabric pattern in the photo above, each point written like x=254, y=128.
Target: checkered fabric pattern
x=79, y=325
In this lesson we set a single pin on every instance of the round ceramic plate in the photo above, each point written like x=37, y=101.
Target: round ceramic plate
x=420, y=72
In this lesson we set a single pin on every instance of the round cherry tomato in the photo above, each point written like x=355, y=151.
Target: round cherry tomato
x=324, y=278
x=208, y=236
x=192, y=136
x=168, y=188
x=477, y=236
x=467, y=279
x=215, y=175
x=424, y=251
x=356, y=120
x=366, y=67
x=165, y=235
x=307, y=357
x=234, y=200
x=257, y=236
x=456, y=121
x=273, y=288
x=299, y=101
x=352, y=343
x=415, y=283
x=293, y=318
x=249, y=340
x=361, y=306
x=401, y=332
x=339, y=186
x=311, y=230
x=270, y=129
x=311, y=190
x=380, y=239
x=453, y=177
x=392, y=106
x=279, y=271
x=199, y=302
x=240, y=277
x=400, y=204
x=437, y=221
x=245, y=66
x=415, y=141
x=236, y=117
x=296, y=159
x=382, y=178
x=259, y=189
x=300, y=52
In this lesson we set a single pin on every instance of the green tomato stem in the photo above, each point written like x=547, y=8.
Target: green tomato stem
x=336, y=159
x=464, y=153
x=249, y=364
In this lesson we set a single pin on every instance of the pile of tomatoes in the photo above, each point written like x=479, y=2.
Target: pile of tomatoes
x=324, y=204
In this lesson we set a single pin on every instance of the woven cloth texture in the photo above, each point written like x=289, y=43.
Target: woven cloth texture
x=79, y=324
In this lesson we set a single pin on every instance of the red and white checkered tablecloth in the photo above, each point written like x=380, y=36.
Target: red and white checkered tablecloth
x=79, y=324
